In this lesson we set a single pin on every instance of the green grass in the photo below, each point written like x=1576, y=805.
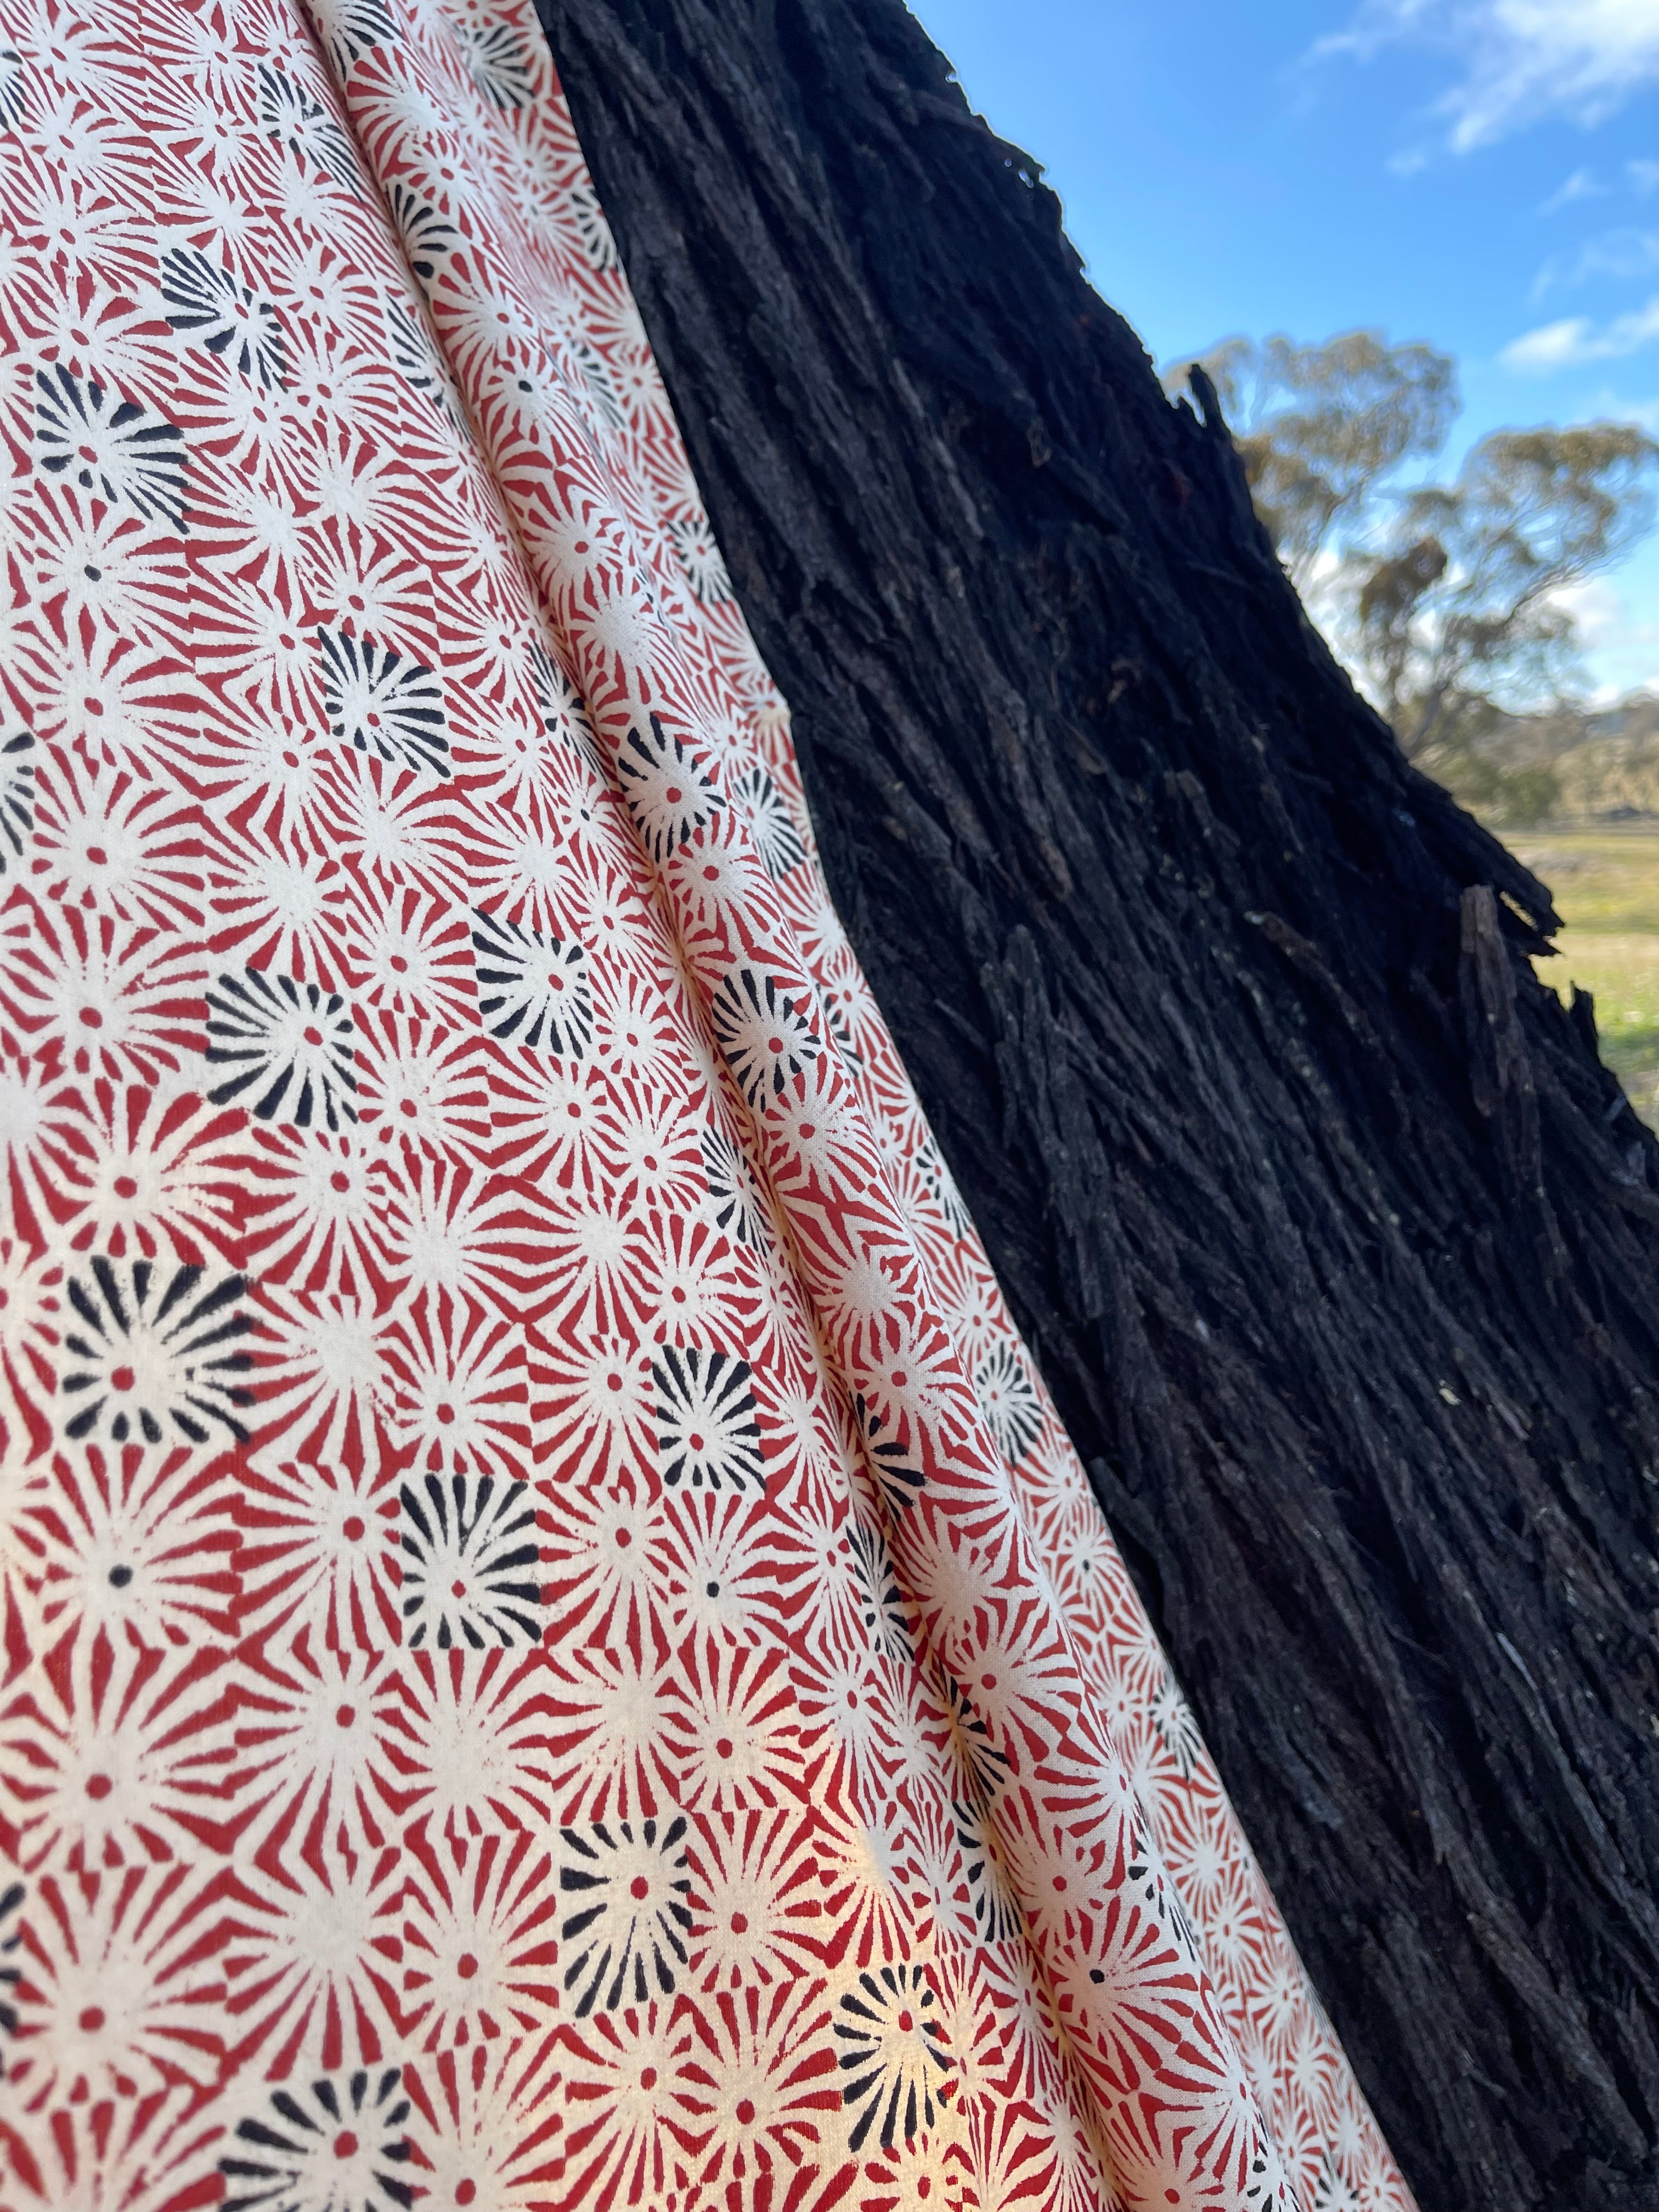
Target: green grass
x=1606, y=887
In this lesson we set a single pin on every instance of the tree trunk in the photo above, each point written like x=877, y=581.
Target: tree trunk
x=1338, y=1246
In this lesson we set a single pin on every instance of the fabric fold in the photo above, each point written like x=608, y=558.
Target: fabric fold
x=1118, y=1958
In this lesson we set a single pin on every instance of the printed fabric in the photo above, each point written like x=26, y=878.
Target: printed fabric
x=554, y=1652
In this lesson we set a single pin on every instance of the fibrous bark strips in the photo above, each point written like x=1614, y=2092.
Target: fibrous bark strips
x=1338, y=1248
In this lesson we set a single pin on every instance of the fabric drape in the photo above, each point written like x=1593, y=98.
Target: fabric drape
x=556, y=1649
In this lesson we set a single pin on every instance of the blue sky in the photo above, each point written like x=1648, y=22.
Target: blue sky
x=1481, y=173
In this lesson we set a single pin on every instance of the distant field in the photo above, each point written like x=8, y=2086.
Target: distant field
x=1606, y=886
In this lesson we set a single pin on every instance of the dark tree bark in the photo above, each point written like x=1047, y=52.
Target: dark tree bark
x=1338, y=1246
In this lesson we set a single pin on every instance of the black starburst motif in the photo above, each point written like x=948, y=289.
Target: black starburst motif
x=532, y=990
x=291, y=116
x=355, y=29
x=835, y=1021
x=700, y=558
x=773, y=823
x=111, y=446
x=890, y=1459
x=623, y=1890
x=765, y=1031
x=11, y=1973
x=427, y=236
x=16, y=796
x=12, y=94
x=940, y=1185
x=879, y=1593
x=986, y=1767
x=382, y=703
x=669, y=794
x=895, y=2050
x=469, y=1561
x=563, y=710
x=706, y=1430
x=500, y=66
x=207, y=303
x=730, y=1188
x=592, y=228
x=416, y=361
x=153, y=1353
x=327, y=2150
x=1008, y=1399
x=288, y=1045
x=1332, y=2192
x=597, y=375
x=996, y=1910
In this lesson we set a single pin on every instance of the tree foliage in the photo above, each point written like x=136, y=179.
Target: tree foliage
x=1321, y=427
x=1466, y=598
x=1447, y=598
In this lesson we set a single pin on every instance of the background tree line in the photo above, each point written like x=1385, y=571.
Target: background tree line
x=1447, y=599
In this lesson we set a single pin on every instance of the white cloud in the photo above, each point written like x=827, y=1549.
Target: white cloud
x=1598, y=608
x=1619, y=634
x=1624, y=253
x=1519, y=59
x=1577, y=339
x=1553, y=345
x=1609, y=405
x=1580, y=185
